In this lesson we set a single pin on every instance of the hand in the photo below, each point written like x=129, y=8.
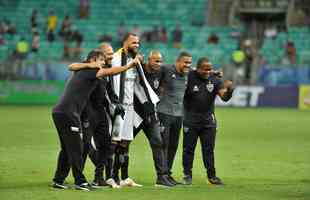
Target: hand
x=218, y=73
x=228, y=84
x=119, y=110
x=148, y=109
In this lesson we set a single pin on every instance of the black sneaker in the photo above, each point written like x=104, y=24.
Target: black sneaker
x=187, y=180
x=173, y=181
x=163, y=181
x=59, y=186
x=215, y=181
x=84, y=186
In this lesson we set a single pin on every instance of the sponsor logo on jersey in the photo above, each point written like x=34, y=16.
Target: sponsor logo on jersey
x=195, y=88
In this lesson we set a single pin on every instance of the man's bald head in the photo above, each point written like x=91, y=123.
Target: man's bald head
x=108, y=52
x=155, y=61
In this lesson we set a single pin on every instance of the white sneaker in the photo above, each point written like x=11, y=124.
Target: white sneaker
x=112, y=183
x=129, y=182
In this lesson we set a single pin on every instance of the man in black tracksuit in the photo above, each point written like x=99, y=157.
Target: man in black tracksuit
x=203, y=86
x=67, y=118
x=151, y=126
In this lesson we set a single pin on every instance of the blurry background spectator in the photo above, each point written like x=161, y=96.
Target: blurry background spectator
x=34, y=21
x=35, y=44
x=177, y=35
x=290, y=52
x=65, y=29
x=84, y=9
x=51, y=26
x=163, y=35
x=213, y=39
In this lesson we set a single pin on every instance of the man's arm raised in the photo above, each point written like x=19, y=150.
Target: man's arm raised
x=116, y=70
x=79, y=66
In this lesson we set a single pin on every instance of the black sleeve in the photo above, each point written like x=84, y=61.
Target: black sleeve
x=188, y=88
x=88, y=73
x=219, y=84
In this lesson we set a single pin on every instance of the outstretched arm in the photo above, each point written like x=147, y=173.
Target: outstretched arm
x=79, y=66
x=116, y=70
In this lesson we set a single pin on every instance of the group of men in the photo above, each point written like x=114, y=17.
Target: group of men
x=111, y=97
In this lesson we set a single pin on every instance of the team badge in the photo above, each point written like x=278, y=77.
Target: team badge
x=210, y=87
x=156, y=83
x=195, y=89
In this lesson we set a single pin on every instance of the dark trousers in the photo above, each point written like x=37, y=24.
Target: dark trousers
x=152, y=132
x=170, y=131
x=207, y=140
x=102, y=153
x=71, y=148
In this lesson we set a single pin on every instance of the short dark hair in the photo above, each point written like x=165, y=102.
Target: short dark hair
x=201, y=61
x=93, y=54
x=184, y=54
x=127, y=35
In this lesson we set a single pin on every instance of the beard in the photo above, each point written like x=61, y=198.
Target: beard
x=132, y=52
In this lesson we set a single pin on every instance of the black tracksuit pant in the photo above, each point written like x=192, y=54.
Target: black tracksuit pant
x=207, y=140
x=72, y=148
x=101, y=154
x=152, y=132
x=170, y=131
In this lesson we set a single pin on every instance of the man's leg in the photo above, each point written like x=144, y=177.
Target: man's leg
x=153, y=135
x=165, y=132
x=190, y=138
x=70, y=134
x=152, y=132
x=207, y=140
x=63, y=164
x=174, y=141
x=117, y=164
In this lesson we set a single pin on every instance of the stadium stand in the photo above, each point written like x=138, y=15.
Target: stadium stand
x=105, y=17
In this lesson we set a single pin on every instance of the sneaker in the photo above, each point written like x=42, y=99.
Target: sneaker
x=99, y=183
x=173, y=181
x=215, y=181
x=187, y=180
x=129, y=182
x=84, y=187
x=110, y=182
x=59, y=186
x=163, y=181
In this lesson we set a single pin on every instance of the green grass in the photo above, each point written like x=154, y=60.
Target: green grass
x=260, y=154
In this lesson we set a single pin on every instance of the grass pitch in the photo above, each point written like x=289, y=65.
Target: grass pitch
x=260, y=154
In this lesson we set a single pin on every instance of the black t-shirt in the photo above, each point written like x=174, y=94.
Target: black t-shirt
x=77, y=92
x=199, y=100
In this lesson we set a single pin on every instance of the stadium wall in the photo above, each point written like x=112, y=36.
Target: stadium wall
x=47, y=92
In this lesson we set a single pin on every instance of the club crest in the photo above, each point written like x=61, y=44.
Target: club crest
x=210, y=87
